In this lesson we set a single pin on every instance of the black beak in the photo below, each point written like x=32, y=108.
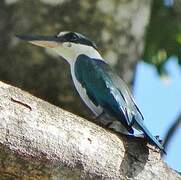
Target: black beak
x=43, y=41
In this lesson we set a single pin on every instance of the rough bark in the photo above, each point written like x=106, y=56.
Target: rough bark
x=41, y=141
x=118, y=28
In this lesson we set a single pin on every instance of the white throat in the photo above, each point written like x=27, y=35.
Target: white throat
x=70, y=51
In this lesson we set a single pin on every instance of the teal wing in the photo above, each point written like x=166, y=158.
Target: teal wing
x=106, y=89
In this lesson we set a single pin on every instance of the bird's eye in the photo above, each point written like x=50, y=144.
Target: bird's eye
x=69, y=44
x=73, y=36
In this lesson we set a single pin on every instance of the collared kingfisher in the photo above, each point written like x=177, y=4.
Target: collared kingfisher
x=102, y=90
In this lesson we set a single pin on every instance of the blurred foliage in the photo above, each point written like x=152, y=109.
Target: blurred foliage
x=163, y=38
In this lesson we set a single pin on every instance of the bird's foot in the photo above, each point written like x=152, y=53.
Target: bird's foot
x=98, y=116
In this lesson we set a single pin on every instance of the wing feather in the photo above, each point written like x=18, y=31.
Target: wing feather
x=104, y=89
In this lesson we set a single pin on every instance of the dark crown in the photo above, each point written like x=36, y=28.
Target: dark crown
x=76, y=38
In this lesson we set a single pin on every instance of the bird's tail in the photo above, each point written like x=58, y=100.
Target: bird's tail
x=153, y=140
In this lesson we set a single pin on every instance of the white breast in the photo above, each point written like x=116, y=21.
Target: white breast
x=97, y=110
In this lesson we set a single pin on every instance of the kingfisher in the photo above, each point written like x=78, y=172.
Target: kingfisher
x=101, y=89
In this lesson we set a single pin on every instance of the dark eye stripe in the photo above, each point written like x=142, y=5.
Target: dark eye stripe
x=77, y=38
x=71, y=37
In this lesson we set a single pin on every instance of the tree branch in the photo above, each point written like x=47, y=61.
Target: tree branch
x=40, y=140
x=176, y=124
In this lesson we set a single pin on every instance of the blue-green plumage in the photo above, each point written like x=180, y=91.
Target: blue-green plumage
x=106, y=89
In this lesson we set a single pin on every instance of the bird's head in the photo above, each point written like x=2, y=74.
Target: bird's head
x=69, y=45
